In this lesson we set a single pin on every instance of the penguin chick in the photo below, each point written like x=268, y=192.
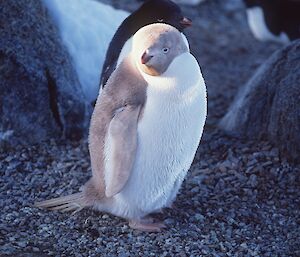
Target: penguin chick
x=145, y=130
x=152, y=11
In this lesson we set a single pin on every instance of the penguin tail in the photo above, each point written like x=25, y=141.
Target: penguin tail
x=74, y=202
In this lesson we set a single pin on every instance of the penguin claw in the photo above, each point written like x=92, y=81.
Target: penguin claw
x=146, y=226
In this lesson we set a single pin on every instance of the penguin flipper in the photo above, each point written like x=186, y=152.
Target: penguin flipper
x=120, y=148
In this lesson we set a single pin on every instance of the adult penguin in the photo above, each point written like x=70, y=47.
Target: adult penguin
x=274, y=20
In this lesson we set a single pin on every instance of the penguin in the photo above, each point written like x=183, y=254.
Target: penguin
x=274, y=20
x=144, y=131
x=152, y=11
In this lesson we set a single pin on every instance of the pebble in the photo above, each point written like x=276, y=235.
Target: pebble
x=253, y=181
x=35, y=249
x=199, y=217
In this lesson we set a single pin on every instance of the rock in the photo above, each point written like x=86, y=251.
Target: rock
x=35, y=249
x=198, y=217
x=40, y=94
x=253, y=181
x=268, y=106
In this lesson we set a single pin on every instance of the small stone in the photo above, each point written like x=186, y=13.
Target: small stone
x=22, y=244
x=195, y=189
x=244, y=245
x=169, y=221
x=199, y=217
x=253, y=180
x=35, y=249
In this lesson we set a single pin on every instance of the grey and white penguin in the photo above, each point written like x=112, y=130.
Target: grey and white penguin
x=145, y=130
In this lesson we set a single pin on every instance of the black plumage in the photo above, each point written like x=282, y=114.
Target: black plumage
x=280, y=16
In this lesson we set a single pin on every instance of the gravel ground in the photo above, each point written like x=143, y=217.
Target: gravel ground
x=239, y=199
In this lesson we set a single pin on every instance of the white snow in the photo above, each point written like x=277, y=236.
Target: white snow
x=86, y=28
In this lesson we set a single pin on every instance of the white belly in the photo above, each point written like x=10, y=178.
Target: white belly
x=168, y=136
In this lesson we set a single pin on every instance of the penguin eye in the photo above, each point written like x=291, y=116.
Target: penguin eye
x=165, y=50
x=160, y=20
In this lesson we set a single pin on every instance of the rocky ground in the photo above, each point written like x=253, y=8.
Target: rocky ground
x=239, y=199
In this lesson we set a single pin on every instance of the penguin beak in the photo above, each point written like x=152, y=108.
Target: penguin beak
x=146, y=57
x=186, y=22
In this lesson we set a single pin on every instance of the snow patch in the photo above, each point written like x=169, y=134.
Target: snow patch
x=86, y=28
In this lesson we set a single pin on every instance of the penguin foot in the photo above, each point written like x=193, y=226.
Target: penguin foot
x=147, y=225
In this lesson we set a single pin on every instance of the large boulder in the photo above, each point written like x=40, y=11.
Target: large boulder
x=40, y=96
x=268, y=106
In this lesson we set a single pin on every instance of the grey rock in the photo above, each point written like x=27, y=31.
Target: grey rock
x=35, y=249
x=199, y=217
x=268, y=106
x=22, y=244
x=253, y=181
x=40, y=96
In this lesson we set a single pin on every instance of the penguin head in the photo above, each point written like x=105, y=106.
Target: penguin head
x=155, y=46
x=162, y=11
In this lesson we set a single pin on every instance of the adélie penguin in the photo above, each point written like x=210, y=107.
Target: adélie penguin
x=145, y=130
x=274, y=20
x=152, y=11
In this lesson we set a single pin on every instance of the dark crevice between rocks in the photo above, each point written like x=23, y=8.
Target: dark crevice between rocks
x=53, y=99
